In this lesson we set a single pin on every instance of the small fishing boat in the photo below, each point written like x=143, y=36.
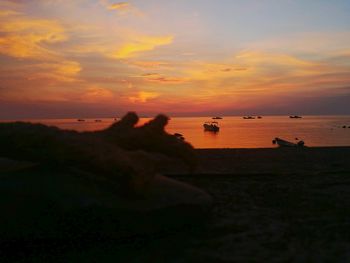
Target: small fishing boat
x=98, y=121
x=295, y=117
x=212, y=126
x=248, y=117
x=217, y=118
x=80, y=120
x=283, y=143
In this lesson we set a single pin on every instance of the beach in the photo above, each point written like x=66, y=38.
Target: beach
x=274, y=205
x=279, y=161
x=282, y=204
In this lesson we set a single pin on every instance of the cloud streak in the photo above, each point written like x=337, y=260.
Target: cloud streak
x=22, y=37
x=143, y=96
x=122, y=8
x=119, y=6
x=142, y=44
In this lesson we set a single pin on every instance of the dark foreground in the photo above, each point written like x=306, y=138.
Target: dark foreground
x=270, y=205
x=275, y=218
x=274, y=205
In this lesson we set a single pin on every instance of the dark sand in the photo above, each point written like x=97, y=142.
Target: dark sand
x=279, y=205
x=270, y=205
x=275, y=160
x=279, y=161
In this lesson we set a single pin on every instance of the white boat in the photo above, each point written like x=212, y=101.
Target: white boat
x=283, y=143
x=212, y=126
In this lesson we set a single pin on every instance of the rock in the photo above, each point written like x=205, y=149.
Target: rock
x=92, y=185
x=7, y=165
x=41, y=203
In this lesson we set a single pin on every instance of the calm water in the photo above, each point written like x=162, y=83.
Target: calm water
x=236, y=132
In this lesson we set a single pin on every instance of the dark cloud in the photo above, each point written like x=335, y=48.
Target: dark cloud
x=150, y=74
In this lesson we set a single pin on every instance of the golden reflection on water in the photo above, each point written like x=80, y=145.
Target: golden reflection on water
x=236, y=132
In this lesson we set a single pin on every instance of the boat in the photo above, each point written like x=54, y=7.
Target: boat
x=212, y=126
x=98, y=121
x=283, y=143
x=259, y=117
x=248, y=117
x=80, y=120
x=217, y=118
x=295, y=117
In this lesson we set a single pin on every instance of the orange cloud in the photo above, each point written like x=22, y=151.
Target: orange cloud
x=122, y=8
x=154, y=77
x=251, y=67
x=147, y=64
x=64, y=71
x=127, y=44
x=255, y=74
x=259, y=57
x=4, y=13
x=30, y=38
x=119, y=6
x=318, y=43
x=23, y=37
x=143, y=96
x=218, y=71
x=69, y=68
x=97, y=94
x=143, y=43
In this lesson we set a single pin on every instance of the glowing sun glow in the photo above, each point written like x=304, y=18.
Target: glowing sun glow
x=181, y=57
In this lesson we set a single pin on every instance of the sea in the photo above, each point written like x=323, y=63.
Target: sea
x=236, y=132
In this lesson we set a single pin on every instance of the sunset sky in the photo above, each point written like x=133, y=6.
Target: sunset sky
x=100, y=58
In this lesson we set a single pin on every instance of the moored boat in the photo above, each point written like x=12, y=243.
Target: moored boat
x=211, y=126
x=283, y=143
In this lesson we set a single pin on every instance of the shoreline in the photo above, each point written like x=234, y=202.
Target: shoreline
x=273, y=148
x=255, y=161
x=234, y=161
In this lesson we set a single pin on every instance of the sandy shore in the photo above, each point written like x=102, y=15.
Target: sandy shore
x=274, y=205
x=277, y=161
x=270, y=205
x=274, y=160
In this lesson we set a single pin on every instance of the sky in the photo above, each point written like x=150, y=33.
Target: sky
x=102, y=58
